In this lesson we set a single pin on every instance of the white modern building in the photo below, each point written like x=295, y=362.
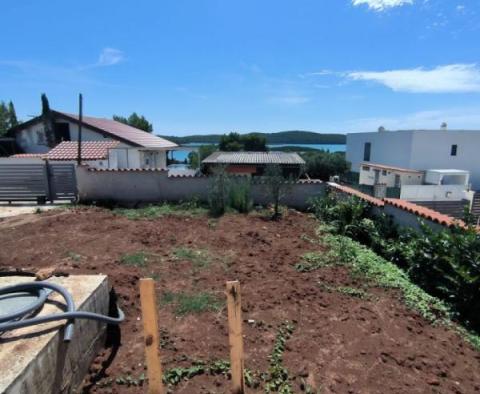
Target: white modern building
x=418, y=150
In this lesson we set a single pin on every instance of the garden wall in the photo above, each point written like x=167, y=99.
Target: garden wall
x=153, y=186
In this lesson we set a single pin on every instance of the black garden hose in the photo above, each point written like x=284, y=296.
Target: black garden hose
x=41, y=290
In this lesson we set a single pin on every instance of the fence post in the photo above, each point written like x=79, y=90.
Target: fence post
x=150, y=329
x=235, y=337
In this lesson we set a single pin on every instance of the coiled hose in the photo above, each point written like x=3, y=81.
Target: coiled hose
x=21, y=317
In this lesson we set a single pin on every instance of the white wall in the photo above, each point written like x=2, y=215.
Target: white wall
x=388, y=148
x=431, y=149
x=433, y=193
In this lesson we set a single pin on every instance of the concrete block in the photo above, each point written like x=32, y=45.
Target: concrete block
x=36, y=360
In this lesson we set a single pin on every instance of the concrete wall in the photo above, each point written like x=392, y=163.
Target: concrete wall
x=404, y=218
x=130, y=187
x=434, y=193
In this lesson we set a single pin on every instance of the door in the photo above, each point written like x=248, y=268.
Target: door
x=377, y=176
x=397, y=181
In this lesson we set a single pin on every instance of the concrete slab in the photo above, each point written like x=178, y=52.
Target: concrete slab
x=36, y=360
x=22, y=208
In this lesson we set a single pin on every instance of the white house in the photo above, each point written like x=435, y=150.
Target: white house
x=418, y=150
x=127, y=146
x=373, y=174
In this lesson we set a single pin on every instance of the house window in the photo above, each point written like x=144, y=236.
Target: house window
x=366, y=151
x=384, y=172
x=453, y=150
x=366, y=168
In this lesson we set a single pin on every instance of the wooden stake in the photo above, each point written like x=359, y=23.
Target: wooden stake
x=234, y=306
x=150, y=330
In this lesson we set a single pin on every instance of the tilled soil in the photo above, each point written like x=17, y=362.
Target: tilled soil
x=341, y=343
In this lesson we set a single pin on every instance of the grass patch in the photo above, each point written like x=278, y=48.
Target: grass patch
x=312, y=261
x=192, y=303
x=137, y=259
x=154, y=211
x=200, y=258
x=346, y=290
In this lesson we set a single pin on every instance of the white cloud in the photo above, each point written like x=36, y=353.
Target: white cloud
x=381, y=5
x=453, y=78
x=110, y=57
x=290, y=100
x=456, y=118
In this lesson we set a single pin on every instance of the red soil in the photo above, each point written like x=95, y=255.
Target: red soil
x=341, y=344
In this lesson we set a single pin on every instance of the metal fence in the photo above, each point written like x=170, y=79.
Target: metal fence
x=37, y=182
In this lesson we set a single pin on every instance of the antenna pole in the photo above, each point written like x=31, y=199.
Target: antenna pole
x=80, y=115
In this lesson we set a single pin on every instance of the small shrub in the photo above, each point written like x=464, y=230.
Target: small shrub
x=219, y=192
x=240, y=195
x=74, y=256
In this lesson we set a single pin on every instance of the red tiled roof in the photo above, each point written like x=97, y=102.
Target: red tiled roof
x=424, y=212
x=127, y=169
x=29, y=155
x=91, y=150
x=372, y=200
x=390, y=168
x=122, y=131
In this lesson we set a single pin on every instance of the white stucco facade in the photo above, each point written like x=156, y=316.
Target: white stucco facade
x=419, y=150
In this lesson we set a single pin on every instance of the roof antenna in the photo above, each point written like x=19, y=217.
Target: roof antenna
x=80, y=114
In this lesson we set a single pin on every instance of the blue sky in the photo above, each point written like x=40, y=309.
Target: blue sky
x=204, y=66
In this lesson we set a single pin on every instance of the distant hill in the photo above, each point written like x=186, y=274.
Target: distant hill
x=283, y=137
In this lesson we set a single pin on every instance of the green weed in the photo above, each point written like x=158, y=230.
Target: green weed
x=154, y=211
x=277, y=379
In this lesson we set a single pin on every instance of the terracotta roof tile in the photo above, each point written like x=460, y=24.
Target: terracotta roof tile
x=424, y=212
x=354, y=192
x=91, y=150
x=29, y=155
x=92, y=169
x=390, y=168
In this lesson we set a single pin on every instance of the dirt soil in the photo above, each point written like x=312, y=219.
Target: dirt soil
x=341, y=344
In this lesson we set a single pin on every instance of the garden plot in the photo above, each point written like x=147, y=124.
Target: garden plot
x=310, y=324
